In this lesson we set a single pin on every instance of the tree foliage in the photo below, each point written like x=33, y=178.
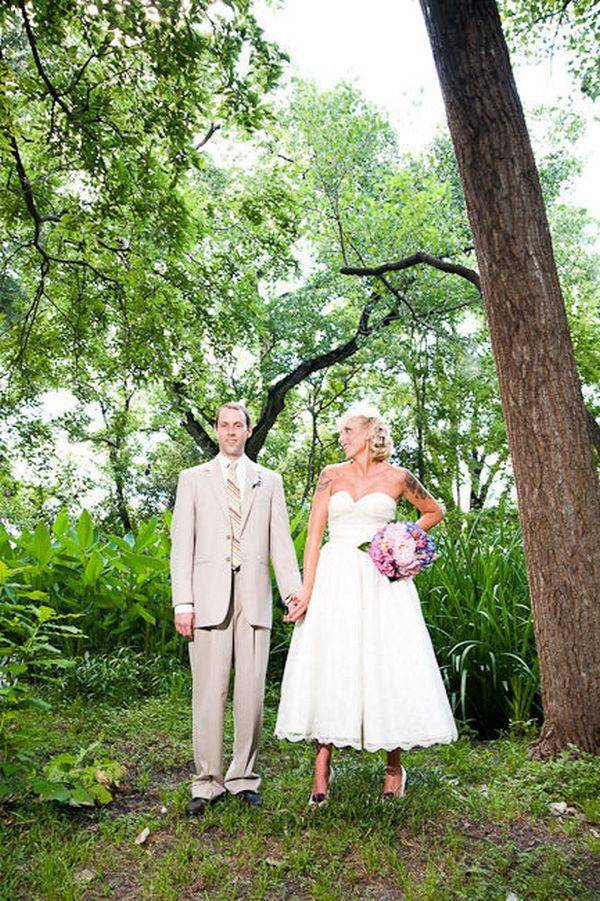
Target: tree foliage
x=546, y=27
x=171, y=240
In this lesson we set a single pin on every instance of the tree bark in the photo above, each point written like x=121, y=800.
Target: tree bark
x=553, y=462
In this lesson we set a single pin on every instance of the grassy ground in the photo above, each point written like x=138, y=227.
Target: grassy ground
x=475, y=822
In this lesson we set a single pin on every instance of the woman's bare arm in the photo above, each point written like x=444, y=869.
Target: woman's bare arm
x=413, y=491
x=316, y=528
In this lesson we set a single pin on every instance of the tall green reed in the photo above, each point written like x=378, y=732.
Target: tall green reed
x=475, y=600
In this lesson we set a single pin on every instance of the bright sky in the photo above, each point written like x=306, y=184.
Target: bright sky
x=382, y=46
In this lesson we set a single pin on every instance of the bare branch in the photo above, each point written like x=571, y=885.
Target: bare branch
x=193, y=427
x=278, y=392
x=416, y=259
x=211, y=131
x=454, y=269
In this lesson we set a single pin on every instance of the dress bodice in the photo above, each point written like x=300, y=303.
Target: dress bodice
x=357, y=521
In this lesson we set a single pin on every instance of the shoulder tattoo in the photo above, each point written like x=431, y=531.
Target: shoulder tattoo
x=414, y=486
x=324, y=481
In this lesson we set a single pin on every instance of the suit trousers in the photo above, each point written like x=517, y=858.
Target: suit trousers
x=213, y=652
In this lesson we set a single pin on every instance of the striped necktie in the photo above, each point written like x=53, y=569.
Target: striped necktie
x=235, y=513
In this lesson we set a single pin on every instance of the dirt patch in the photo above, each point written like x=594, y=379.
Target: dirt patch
x=590, y=875
x=123, y=884
x=129, y=799
x=524, y=834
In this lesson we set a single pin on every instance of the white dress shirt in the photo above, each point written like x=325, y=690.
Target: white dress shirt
x=241, y=479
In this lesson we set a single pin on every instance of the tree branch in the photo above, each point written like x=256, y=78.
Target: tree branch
x=455, y=269
x=54, y=93
x=593, y=429
x=211, y=131
x=278, y=392
x=415, y=260
x=193, y=427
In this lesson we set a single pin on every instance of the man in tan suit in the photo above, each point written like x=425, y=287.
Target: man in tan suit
x=230, y=517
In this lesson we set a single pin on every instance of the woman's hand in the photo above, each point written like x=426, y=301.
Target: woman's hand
x=316, y=526
x=297, y=607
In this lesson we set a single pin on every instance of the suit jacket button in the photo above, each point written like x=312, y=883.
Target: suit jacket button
x=228, y=537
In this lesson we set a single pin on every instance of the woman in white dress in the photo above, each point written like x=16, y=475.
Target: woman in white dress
x=361, y=671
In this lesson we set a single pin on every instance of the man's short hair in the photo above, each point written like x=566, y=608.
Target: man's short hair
x=234, y=405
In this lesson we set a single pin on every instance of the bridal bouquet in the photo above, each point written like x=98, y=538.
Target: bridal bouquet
x=401, y=550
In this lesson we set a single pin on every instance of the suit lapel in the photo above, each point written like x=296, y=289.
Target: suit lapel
x=218, y=486
x=251, y=488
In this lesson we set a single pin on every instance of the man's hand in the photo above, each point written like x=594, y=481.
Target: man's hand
x=297, y=607
x=184, y=623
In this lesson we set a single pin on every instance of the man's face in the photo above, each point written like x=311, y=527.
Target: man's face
x=232, y=432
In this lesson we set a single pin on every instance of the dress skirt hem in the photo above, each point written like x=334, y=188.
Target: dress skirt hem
x=358, y=746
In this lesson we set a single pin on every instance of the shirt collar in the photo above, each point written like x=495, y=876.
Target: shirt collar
x=225, y=461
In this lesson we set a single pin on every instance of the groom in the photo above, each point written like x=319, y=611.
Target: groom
x=230, y=516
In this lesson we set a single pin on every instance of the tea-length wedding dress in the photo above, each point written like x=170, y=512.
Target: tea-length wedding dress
x=361, y=670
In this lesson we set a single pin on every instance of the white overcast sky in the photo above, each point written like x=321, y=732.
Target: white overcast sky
x=382, y=46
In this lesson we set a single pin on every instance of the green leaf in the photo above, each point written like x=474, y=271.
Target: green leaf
x=93, y=569
x=7, y=788
x=145, y=535
x=34, y=595
x=42, y=545
x=35, y=703
x=140, y=563
x=145, y=614
x=100, y=793
x=85, y=530
x=51, y=791
x=82, y=797
x=61, y=524
x=16, y=668
x=45, y=614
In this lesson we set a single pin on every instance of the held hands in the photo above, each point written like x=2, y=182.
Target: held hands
x=297, y=606
x=184, y=623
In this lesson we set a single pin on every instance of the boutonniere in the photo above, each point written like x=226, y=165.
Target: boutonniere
x=258, y=482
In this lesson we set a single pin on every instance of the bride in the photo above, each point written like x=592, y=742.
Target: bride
x=361, y=671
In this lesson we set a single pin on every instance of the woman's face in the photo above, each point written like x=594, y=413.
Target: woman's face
x=354, y=437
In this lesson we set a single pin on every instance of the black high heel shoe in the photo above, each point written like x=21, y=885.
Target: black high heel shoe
x=320, y=799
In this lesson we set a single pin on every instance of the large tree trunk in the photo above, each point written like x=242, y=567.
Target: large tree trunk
x=555, y=476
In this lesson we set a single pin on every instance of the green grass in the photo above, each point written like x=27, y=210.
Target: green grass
x=475, y=822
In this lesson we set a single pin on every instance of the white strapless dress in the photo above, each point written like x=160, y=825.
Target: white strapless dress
x=361, y=670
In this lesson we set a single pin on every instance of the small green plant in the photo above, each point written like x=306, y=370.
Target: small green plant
x=28, y=660
x=69, y=779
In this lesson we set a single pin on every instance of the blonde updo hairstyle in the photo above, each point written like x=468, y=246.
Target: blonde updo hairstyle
x=380, y=440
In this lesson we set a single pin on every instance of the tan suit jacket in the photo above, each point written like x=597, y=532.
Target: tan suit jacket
x=201, y=545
